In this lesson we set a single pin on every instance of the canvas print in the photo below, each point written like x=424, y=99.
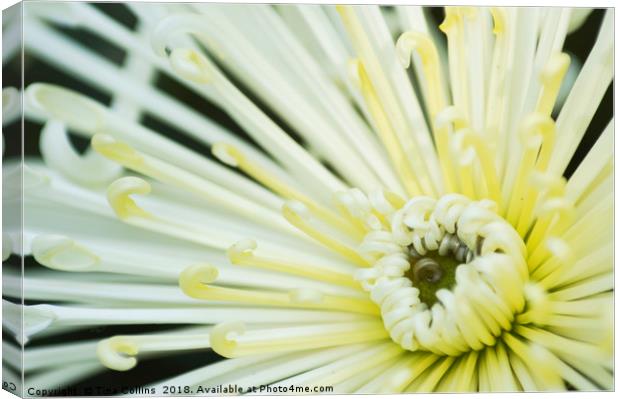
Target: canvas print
x=205, y=199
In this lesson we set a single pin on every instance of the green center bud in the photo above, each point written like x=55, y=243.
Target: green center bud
x=431, y=273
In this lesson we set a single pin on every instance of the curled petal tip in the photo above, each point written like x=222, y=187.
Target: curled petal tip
x=62, y=253
x=537, y=127
x=74, y=109
x=175, y=25
x=117, y=354
x=222, y=337
x=226, y=153
x=404, y=50
x=191, y=65
x=193, y=278
x=241, y=249
x=119, y=193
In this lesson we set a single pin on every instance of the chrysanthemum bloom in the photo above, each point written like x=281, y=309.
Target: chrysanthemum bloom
x=372, y=230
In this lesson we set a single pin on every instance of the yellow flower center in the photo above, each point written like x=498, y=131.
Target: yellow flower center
x=448, y=274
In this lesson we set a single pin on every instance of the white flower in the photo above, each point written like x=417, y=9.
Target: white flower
x=384, y=234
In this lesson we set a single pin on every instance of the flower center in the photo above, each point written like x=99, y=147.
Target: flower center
x=448, y=274
x=436, y=270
